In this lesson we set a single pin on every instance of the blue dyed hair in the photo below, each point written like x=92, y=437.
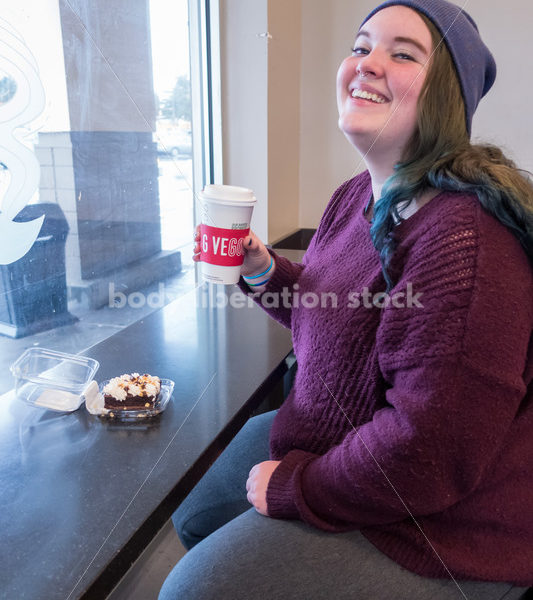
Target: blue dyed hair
x=439, y=155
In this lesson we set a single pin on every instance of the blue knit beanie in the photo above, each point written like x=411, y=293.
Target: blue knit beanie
x=473, y=61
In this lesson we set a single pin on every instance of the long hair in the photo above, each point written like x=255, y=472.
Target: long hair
x=440, y=155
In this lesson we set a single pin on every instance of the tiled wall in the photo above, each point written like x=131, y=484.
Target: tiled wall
x=54, y=152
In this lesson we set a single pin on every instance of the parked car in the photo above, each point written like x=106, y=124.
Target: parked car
x=174, y=143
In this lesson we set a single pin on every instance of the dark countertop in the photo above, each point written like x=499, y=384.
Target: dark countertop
x=81, y=497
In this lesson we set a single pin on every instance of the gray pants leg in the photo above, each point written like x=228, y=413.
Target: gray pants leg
x=236, y=553
x=221, y=494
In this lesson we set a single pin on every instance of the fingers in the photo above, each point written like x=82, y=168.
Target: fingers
x=255, y=495
x=251, y=477
x=196, y=249
x=250, y=491
x=250, y=481
x=196, y=253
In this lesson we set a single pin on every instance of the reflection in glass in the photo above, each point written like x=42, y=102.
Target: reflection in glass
x=114, y=149
x=8, y=88
x=24, y=101
x=170, y=59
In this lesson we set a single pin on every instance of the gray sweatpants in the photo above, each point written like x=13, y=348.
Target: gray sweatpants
x=235, y=553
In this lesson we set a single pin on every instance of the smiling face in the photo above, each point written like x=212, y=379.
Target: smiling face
x=379, y=84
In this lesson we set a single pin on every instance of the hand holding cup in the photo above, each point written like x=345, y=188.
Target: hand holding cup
x=256, y=255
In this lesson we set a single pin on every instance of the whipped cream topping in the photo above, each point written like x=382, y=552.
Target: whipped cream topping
x=133, y=385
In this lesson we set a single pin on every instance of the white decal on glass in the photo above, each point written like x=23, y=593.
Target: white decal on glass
x=21, y=101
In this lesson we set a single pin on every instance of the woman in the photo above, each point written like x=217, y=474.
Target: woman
x=401, y=462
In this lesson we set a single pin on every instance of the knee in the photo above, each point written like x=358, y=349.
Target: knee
x=193, y=578
x=177, y=584
x=188, y=533
x=194, y=527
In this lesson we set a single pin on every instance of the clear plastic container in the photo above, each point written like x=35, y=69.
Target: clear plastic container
x=94, y=403
x=52, y=379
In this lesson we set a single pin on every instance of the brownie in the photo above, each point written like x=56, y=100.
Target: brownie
x=132, y=392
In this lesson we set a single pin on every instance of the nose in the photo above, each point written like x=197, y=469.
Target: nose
x=369, y=64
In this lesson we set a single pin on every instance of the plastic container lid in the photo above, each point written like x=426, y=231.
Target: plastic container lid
x=52, y=379
x=228, y=194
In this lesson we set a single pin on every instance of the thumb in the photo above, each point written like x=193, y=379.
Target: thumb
x=251, y=244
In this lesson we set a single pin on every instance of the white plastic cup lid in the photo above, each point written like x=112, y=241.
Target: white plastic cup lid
x=228, y=194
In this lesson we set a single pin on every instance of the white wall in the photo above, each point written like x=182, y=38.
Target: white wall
x=244, y=92
x=505, y=115
x=260, y=73
x=326, y=157
x=284, y=93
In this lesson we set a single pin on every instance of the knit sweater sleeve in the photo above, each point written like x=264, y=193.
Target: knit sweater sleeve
x=455, y=372
x=287, y=272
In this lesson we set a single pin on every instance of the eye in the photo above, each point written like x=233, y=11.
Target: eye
x=404, y=56
x=358, y=50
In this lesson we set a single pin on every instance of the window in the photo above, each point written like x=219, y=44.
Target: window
x=99, y=160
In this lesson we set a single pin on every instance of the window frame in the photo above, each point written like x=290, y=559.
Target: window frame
x=204, y=52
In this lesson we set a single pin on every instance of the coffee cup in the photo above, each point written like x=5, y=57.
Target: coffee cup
x=226, y=215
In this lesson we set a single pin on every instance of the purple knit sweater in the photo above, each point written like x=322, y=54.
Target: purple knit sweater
x=413, y=423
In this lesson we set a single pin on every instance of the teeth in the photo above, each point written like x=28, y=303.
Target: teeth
x=368, y=96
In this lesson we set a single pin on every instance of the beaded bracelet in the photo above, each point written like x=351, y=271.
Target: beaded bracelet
x=260, y=274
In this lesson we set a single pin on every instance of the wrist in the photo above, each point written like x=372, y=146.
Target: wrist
x=263, y=272
x=260, y=278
